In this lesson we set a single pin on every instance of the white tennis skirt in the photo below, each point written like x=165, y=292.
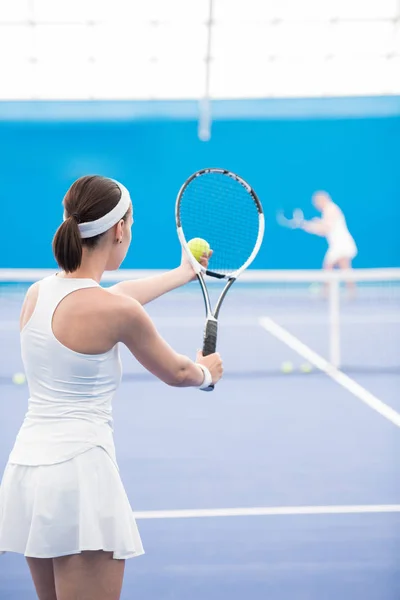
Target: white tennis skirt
x=339, y=251
x=67, y=508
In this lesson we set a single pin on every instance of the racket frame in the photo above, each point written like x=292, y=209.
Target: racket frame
x=211, y=326
x=197, y=267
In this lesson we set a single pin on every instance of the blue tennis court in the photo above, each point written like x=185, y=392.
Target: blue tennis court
x=278, y=484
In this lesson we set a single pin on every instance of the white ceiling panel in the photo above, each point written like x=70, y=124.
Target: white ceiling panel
x=60, y=11
x=17, y=80
x=52, y=80
x=15, y=11
x=157, y=48
x=366, y=9
x=362, y=39
x=66, y=43
x=250, y=42
x=16, y=43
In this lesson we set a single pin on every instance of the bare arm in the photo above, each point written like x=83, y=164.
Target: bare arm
x=137, y=331
x=321, y=226
x=29, y=305
x=150, y=288
x=316, y=226
x=146, y=290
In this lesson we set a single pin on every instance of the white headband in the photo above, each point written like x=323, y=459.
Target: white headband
x=92, y=228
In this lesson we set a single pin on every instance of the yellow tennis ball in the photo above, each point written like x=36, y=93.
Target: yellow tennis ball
x=306, y=368
x=198, y=247
x=314, y=288
x=286, y=367
x=19, y=378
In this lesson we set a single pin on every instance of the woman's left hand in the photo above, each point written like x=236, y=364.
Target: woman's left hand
x=187, y=268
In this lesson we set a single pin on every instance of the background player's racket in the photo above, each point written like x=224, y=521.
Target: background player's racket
x=220, y=207
x=295, y=222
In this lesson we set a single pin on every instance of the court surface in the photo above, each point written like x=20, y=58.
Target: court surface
x=273, y=486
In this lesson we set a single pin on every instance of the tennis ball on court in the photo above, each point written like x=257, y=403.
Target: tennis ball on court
x=306, y=368
x=198, y=247
x=314, y=288
x=286, y=367
x=18, y=378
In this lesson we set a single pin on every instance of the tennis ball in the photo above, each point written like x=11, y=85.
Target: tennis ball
x=314, y=288
x=286, y=367
x=306, y=368
x=18, y=378
x=197, y=247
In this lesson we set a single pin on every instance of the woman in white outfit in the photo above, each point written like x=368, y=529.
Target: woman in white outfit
x=332, y=225
x=62, y=502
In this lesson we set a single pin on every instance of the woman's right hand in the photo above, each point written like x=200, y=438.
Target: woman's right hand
x=213, y=363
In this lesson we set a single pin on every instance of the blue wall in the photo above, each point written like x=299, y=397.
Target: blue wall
x=285, y=151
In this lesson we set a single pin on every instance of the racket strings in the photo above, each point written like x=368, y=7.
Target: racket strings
x=222, y=211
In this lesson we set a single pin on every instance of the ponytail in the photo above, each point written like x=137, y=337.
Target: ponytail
x=67, y=245
x=88, y=199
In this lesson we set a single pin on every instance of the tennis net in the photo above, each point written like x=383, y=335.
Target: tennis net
x=350, y=319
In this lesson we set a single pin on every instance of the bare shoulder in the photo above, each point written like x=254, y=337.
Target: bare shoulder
x=29, y=304
x=117, y=300
x=32, y=292
x=124, y=309
x=98, y=303
x=332, y=209
x=92, y=320
x=128, y=315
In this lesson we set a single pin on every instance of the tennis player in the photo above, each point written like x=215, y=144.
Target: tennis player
x=62, y=502
x=332, y=225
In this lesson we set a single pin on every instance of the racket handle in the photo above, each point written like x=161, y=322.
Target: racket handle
x=210, y=343
x=210, y=337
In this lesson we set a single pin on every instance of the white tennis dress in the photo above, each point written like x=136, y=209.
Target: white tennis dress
x=341, y=243
x=61, y=491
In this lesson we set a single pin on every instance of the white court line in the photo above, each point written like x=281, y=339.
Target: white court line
x=267, y=511
x=321, y=363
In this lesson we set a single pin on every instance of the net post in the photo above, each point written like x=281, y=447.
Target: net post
x=334, y=322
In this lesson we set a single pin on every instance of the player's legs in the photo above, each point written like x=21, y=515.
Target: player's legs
x=89, y=575
x=329, y=260
x=327, y=265
x=43, y=577
x=345, y=263
x=334, y=259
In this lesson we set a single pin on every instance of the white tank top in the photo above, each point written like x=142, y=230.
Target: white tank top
x=69, y=408
x=339, y=235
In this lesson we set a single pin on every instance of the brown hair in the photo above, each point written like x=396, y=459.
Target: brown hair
x=89, y=198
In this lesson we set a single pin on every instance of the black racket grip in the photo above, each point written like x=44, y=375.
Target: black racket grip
x=210, y=337
x=210, y=343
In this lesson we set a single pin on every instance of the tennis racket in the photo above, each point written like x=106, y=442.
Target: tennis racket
x=295, y=222
x=220, y=207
